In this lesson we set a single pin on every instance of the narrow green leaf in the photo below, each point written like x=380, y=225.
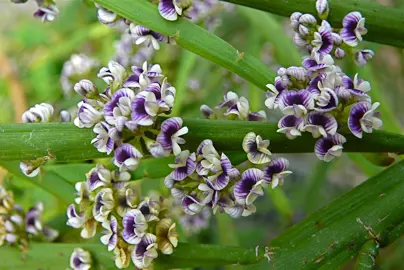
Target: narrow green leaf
x=384, y=23
x=342, y=227
x=194, y=39
x=65, y=142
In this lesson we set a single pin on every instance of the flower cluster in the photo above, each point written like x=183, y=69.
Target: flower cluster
x=47, y=10
x=233, y=107
x=17, y=227
x=318, y=97
x=124, y=115
x=77, y=66
x=134, y=228
x=207, y=179
x=321, y=39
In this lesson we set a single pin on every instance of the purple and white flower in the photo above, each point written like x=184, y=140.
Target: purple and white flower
x=272, y=96
x=318, y=62
x=171, y=9
x=33, y=219
x=321, y=124
x=39, y=113
x=103, y=205
x=170, y=135
x=327, y=100
x=145, y=251
x=209, y=158
x=106, y=137
x=86, y=88
x=119, y=108
x=329, y=148
x=256, y=148
x=291, y=126
x=150, y=208
x=296, y=103
x=236, y=107
x=363, y=56
x=185, y=164
x=323, y=41
x=87, y=115
x=98, y=177
x=74, y=219
x=46, y=13
x=364, y=118
x=80, y=259
x=143, y=76
x=275, y=172
x=221, y=178
x=251, y=185
x=127, y=157
x=145, y=108
x=142, y=34
x=134, y=227
x=192, y=206
x=357, y=87
x=353, y=28
x=110, y=237
x=112, y=75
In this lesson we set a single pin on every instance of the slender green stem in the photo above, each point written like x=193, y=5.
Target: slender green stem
x=384, y=23
x=65, y=142
x=194, y=39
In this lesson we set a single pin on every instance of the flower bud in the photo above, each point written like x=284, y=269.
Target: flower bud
x=322, y=9
x=86, y=88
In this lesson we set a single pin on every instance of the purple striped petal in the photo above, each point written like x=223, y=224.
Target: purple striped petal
x=134, y=225
x=327, y=100
x=169, y=128
x=363, y=118
x=191, y=206
x=291, y=126
x=245, y=186
x=127, y=157
x=320, y=124
x=329, y=148
x=296, y=103
x=167, y=10
x=275, y=167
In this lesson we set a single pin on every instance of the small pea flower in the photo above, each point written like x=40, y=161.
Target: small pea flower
x=256, y=148
x=275, y=172
x=106, y=137
x=364, y=118
x=251, y=185
x=46, y=13
x=86, y=88
x=134, y=226
x=127, y=157
x=110, y=237
x=273, y=95
x=291, y=126
x=185, y=164
x=167, y=236
x=329, y=148
x=104, y=204
x=80, y=259
x=74, y=219
x=323, y=41
x=98, y=177
x=33, y=219
x=145, y=251
x=87, y=115
x=171, y=9
x=191, y=206
x=119, y=107
x=296, y=103
x=327, y=100
x=321, y=124
x=39, y=113
x=144, y=35
x=353, y=28
x=363, y=56
x=113, y=75
x=169, y=137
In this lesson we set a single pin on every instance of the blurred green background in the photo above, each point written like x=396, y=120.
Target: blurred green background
x=32, y=56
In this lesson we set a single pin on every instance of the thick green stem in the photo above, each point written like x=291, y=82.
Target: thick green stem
x=65, y=142
x=384, y=23
x=194, y=39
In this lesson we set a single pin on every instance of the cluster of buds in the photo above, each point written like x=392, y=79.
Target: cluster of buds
x=47, y=10
x=40, y=113
x=319, y=98
x=18, y=227
x=207, y=179
x=321, y=39
x=76, y=67
x=134, y=228
x=233, y=107
x=124, y=115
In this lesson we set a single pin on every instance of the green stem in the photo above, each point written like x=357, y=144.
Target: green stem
x=194, y=39
x=384, y=23
x=65, y=142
